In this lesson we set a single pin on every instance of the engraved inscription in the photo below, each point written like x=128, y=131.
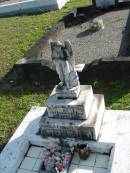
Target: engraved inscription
x=75, y=112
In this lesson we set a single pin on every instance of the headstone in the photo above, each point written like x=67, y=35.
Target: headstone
x=72, y=110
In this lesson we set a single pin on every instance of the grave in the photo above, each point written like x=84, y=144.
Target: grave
x=76, y=116
x=108, y=154
x=15, y=7
x=77, y=113
x=73, y=114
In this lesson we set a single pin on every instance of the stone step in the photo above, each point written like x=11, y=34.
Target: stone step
x=71, y=108
x=82, y=129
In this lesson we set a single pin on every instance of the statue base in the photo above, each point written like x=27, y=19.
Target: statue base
x=68, y=94
x=71, y=108
x=81, y=129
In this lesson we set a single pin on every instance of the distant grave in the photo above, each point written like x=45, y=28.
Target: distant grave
x=15, y=7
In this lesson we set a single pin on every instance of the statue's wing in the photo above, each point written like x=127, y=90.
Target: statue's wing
x=68, y=47
x=69, y=50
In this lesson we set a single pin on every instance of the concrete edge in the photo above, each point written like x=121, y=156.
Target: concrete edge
x=14, y=151
x=41, y=70
x=18, y=145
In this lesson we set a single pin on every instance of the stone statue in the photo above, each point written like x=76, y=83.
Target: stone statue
x=62, y=56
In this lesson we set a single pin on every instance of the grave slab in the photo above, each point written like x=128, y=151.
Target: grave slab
x=73, y=169
x=90, y=161
x=99, y=170
x=75, y=159
x=115, y=130
x=102, y=161
x=23, y=171
x=37, y=165
x=34, y=152
x=28, y=163
x=85, y=169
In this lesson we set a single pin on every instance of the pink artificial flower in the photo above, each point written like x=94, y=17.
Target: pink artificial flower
x=59, y=166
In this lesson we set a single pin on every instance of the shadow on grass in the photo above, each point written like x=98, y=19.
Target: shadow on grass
x=117, y=93
x=86, y=33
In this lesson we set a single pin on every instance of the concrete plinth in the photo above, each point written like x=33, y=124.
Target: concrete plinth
x=71, y=108
x=82, y=129
x=68, y=94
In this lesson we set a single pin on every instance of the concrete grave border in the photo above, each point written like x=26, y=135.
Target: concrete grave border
x=111, y=140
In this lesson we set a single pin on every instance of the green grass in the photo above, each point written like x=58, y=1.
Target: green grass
x=117, y=93
x=14, y=104
x=17, y=34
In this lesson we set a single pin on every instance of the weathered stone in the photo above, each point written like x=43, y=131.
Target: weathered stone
x=83, y=129
x=62, y=57
x=68, y=108
x=96, y=25
x=70, y=94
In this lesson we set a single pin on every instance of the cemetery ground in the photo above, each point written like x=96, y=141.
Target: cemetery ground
x=17, y=34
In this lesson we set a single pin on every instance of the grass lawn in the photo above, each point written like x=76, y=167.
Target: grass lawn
x=17, y=34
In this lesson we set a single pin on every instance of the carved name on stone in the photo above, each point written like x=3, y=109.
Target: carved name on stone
x=68, y=111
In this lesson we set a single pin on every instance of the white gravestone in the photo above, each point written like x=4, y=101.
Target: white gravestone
x=72, y=109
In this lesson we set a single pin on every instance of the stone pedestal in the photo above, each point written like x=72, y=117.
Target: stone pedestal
x=71, y=108
x=80, y=118
x=67, y=94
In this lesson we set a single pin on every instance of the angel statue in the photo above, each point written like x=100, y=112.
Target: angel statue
x=62, y=56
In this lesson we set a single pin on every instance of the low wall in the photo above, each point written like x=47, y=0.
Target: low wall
x=103, y=69
x=30, y=6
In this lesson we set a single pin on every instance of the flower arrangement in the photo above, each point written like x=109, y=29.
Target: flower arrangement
x=56, y=158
